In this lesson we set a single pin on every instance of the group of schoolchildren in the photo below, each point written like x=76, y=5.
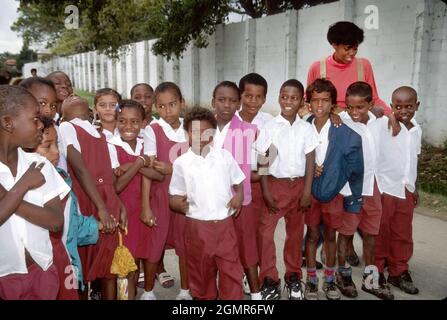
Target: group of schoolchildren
x=212, y=185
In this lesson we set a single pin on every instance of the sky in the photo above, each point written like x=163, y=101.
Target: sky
x=9, y=40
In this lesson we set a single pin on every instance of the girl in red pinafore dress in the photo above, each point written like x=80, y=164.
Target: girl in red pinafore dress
x=91, y=171
x=130, y=165
x=164, y=140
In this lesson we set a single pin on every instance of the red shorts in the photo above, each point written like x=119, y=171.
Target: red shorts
x=245, y=225
x=34, y=285
x=368, y=220
x=331, y=213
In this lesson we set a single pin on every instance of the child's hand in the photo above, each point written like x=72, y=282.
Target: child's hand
x=255, y=176
x=318, y=170
x=235, y=204
x=271, y=203
x=123, y=217
x=184, y=205
x=305, y=203
x=33, y=178
x=377, y=111
x=147, y=217
x=109, y=223
x=416, y=198
x=393, y=124
x=162, y=167
x=100, y=226
x=335, y=119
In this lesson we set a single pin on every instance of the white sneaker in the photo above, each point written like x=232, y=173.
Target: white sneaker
x=183, y=295
x=245, y=285
x=148, y=295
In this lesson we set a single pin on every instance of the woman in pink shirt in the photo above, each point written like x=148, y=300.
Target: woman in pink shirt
x=343, y=68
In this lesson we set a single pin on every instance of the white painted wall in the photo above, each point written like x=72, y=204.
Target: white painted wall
x=409, y=48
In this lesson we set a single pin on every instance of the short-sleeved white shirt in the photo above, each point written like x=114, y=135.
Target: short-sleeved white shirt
x=370, y=143
x=293, y=143
x=116, y=141
x=17, y=234
x=69, y=137
x=398, y=158
x=323, y=142
x=150, y=140
x=206, y=182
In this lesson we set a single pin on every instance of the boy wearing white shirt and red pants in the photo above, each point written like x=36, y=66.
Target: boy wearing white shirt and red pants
x=359, y=118
x=201, y=187
x=286, y=191
x=30, y=205
x=397, y=174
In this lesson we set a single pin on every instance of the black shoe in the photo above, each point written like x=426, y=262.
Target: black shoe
x=346, y=285
x=382, y=292
x=404, y=283
x=270, y=289
x=295, y=288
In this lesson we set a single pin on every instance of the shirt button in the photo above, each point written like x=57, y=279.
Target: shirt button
x=100, y=180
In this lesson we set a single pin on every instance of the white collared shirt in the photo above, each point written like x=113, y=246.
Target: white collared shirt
x=17, y=234
x=207, y=182
x=398, y=158
x=117, y=141
x=150, y=141
x=259, y=120
x=370, y=144
x=69, y=137
x=293, y=143
x=323, y=142
x=219, y=136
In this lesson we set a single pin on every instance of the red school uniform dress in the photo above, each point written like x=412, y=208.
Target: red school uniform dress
x=397, y=174
x=120, y=154
x=238, y=138
x=169, y=231
x=96, y=259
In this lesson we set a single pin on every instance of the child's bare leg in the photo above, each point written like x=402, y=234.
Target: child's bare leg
x=330, y=246
x=132, y=280
x=108, y=289
x=369, y=242
x=312, y=236
x=341, y=249
x=252, y=277
x=350, y=246
x=161, y=265
x=150, y=269
x=183, y=273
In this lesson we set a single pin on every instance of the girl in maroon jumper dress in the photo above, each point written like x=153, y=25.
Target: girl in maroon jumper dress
x=167, y=227
x=93, y=179
x=132, y=165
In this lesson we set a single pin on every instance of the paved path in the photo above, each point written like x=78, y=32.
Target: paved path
x=428, y=265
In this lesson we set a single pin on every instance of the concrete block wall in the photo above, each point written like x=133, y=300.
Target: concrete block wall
x=408, y=48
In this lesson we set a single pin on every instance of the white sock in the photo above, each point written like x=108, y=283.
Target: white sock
x=256, y=296
x=184, y=292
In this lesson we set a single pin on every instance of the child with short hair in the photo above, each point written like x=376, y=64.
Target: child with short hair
x=90, y=168
x=143, y=93
x=131, y=164
x=238, y=137
x=397, y=174
x=30, y=205
x=201, y=188
x=105, y=102
x=359, y=100
x=339, y=159
x=286, y=191
x=64, y=89
x=164, y=141
x=45, y=93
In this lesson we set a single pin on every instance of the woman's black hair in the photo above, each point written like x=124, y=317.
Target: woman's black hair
x=345, y=32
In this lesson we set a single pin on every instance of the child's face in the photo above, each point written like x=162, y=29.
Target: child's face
x=200, y=135
x=129, y=124
x=226, y=102
x=143, y=95
x=169, y=105
x=26, y=125
x=357, y=108
x=321, y=104
x=105, y=108
x=63, y=86
x=48, y=147
x=345, y=53
x=290, y=100
x=252, y=98
x=404, y=106
x=78, y=110
x=47, y=99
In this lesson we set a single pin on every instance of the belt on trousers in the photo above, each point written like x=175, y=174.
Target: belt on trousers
x=287, y=179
